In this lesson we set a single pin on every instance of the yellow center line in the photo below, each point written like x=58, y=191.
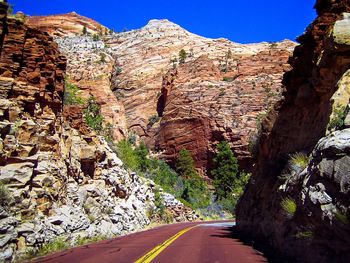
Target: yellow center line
x=158, y=249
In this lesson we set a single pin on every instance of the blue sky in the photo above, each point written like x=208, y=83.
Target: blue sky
x=243, y=21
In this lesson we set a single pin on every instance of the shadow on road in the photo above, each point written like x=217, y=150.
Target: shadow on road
x=260, y=247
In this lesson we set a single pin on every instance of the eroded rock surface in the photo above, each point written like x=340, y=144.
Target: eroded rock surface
x=57, y=177
x=70, y=24
x=319, y=192
x=229, y=83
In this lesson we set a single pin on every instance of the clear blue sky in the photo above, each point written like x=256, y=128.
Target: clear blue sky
x=243, y=21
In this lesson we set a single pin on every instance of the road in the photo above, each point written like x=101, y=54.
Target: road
x=208, y=242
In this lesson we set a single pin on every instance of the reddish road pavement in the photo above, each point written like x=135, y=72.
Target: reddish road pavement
x=206, y=242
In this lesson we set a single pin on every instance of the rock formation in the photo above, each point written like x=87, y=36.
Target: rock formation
x=223, y=86
x=70, y=24
x=57, y=180
x=318, y=195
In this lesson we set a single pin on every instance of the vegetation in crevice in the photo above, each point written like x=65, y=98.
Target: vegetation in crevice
x=342, y=217
x=338, y=117
x=153, y=119
x=72, y=94
x=298, y=162
x=92, y=115
x=306, y=234
x=289, y=206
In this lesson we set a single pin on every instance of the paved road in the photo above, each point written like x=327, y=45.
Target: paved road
x=186, y=242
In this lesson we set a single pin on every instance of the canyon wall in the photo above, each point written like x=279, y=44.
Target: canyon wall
x=317, y=217
x=219, y=92
x=57, y=181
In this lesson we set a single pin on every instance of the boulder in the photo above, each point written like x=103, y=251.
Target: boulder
x=341, y=31
x=17, y=173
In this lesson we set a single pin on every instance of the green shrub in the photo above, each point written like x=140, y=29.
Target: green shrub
x=189, y=186
x=72, y=95
x=95, y=37
x=273, y=45
x=161, y=173
x=15, y=127
x=132, y=138
x=92, y=115
x=196, y=192
x=298, y=162
x=5, y=195
x=55, y=245
x=230, y=201
x=119, y=70
x=84, y=31
x=88, y=240
x=305, y=234
x=153, y=119
x=230, y=79
x=222, y=92
x=182, y=56
x=159, y=202
x=102, y=58
x=167, y=217
x=289, y=206
x=342, y=217
x=141, y=153
x=337, y=121
x=127, y=154
x=174, y=61
x=195, y=189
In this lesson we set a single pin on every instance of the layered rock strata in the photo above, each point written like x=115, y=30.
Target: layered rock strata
x=70, y=24
x=57, y=181
x=218, y=95
x=317, y=193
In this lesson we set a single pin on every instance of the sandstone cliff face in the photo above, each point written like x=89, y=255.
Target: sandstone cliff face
x=56, y=180
x=89, y=62
x=90, y=65
x=218, y=95
x=221, y=81
x=70, y=24
x=200, y=109
x=320, y=191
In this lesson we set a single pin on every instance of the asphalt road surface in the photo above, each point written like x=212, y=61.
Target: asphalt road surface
x=209, y=242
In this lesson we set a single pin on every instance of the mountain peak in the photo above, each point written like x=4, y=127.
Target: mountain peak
x=161, y=23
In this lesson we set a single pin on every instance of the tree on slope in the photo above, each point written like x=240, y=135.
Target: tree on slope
x=195, y=189
x=182, y=56
x=225, y=171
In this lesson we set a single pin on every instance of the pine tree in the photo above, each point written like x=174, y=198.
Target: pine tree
x=182, y=56
x=195, y=188
x=227, y=57
x=185, y=164
x=225, y=170
x=84, y=30
x=142, y=153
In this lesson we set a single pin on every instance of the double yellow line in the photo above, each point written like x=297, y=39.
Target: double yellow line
x=158, y=249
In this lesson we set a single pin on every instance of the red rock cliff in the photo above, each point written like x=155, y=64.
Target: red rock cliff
x=320, y=67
